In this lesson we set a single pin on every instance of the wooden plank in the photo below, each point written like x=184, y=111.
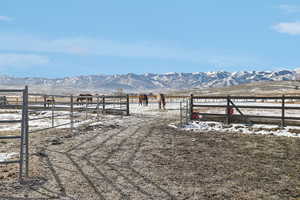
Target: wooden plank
x=243, y=97
x=249, y=116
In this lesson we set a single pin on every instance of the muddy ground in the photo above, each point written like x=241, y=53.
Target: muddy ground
x=146, y=159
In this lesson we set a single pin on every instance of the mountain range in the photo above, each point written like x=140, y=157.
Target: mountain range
x=149, y=81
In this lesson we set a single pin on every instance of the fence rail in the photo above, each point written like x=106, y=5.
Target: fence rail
x=59, y=111
x=23, y=160
x=241, y=105
x=107, y=104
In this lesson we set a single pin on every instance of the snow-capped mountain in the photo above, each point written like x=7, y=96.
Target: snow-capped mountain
x=149, y=81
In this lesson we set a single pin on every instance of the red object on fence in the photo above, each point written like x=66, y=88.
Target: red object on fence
x=195, y=116
x=230, y=111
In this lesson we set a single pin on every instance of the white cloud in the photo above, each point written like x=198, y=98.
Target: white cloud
x=290, y=8
x=104, y=47
x=91, y=46
x=21, y=60
x=292, y=28
x=5, y=18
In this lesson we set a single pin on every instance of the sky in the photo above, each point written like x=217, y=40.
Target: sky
x=80, y=37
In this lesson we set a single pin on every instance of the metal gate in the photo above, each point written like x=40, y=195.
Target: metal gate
x=23, y=160
x=184, y=112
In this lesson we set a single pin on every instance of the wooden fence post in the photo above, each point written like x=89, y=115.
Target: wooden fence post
x=283, y=111
x=45, y=101
x=86, y=108
x=98, y=100
x=191, y=106
x=127, y=105
x=227, y=111
x=180, y=104
x=103, y=104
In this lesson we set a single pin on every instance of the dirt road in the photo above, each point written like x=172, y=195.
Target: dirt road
x=143, y=158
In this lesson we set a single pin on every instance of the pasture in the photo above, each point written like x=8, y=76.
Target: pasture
x=142, y=157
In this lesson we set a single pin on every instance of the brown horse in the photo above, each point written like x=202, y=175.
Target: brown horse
x=161, y=101
x=48, y=101
x=143, y=100
x=88, y=98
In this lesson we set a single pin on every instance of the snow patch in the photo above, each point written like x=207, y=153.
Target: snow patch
x=240, y=128
x=6, y=156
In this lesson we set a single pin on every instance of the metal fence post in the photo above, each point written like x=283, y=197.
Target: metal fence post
x=45, y=101
x=71, y=112
x=22, y=140
x=187, y=111
x=26, y=133
x=283, y=111
x=24, y=151
x=52, y=116
x=127, y=105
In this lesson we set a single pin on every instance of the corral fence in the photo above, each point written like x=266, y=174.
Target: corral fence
x=23, y=159
x=41, y=112
x=184, y=112
x=282, y=110
x=105, y=103
x=71, y=110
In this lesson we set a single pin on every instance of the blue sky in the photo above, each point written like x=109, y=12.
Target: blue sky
x=65, y=38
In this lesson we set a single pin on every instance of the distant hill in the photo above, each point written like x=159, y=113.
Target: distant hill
x=147, y=82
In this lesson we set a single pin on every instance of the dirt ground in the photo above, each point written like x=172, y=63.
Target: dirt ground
x=146, y=159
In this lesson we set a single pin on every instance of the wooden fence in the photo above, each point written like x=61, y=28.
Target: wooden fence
x=235, y=108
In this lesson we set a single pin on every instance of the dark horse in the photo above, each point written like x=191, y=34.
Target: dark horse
x=161, y=101
x=88, y=98
x=143, y=99
x=48, y=101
